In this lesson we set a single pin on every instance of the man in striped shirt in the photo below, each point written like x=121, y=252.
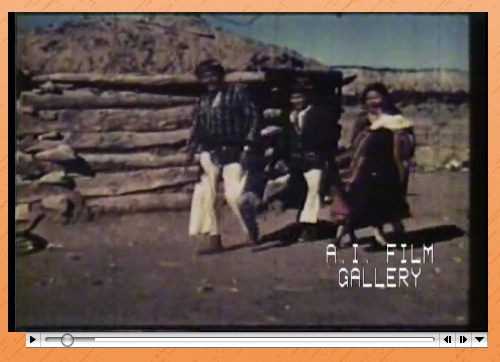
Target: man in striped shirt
x=225, y=131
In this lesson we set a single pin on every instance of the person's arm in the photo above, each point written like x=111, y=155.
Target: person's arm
x=359, y=126
x=346, y=156
x=360, y=163
x=403, y=152
x=399, y=155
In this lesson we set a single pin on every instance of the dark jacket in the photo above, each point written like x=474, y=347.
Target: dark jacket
x=315, y=145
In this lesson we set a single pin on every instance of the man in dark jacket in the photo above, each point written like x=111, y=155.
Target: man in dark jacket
x=225, y=132
x=312, y=142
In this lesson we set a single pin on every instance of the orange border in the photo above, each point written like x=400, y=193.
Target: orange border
x=12, y=345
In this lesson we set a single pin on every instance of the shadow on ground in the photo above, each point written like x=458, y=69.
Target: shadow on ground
x=419, y=238
x=29, y=243
x=288, y=236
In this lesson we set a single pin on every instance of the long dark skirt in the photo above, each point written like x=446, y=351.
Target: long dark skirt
x=375, y=201
x=372, y=186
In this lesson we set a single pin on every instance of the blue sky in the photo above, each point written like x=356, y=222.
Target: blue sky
x=396, y=41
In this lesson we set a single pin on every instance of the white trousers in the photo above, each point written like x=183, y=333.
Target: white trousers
x=312, y=205
x=204, y=217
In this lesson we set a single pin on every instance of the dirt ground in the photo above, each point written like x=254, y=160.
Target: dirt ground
x=140, y=270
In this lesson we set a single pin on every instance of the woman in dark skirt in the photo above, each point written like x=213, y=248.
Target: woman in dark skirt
x=375, y=168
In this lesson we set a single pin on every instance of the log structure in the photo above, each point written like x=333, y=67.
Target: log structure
x=117, y=142
x=74, y=100
x=107, y=120
x=163, y=80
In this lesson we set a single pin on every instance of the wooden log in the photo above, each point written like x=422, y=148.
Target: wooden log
x=102, y=162
x=115, y=141
x=49, y=87
x=140, y=203
x=55, y=178
x=24, y=142
x=39, y=170
x=32, y=191
x=73, y=100
x=115, y=184
x=112, y=120
x=108, y=120
x=111, y=184
x=43, y=164
x=61, y=153
x=52, y=136
x=142, y=160
x=126, y=140
x=30, y=167
x=43, y=145
x=158, y=80
x=123, y=141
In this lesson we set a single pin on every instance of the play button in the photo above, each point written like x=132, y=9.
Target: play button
x=33, y=340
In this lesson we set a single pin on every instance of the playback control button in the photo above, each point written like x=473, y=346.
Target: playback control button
x=33, y=340
x=479, y=340
x=464, y=340
x=446, y=339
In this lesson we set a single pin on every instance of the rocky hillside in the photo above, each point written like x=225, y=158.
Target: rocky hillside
x=424, y=80
x=146, y=46
x=167, y=44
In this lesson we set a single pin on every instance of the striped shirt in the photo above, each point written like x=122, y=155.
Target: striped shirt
x=228, y=119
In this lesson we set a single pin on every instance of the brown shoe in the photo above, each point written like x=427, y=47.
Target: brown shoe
x=214, y=245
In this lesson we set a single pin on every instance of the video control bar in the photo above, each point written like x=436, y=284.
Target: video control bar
x=255, y=339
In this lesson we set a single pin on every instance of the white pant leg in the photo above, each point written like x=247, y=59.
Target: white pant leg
x=239, y=202
x=203, y=217
x=197, y=217
x=310, y=212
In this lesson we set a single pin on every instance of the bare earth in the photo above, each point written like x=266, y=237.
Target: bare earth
x=140, y=270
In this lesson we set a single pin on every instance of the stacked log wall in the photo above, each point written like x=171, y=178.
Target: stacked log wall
x=118, y=142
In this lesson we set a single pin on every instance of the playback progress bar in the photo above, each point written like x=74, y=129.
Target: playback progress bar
x=254, y=339
x=68, y=340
